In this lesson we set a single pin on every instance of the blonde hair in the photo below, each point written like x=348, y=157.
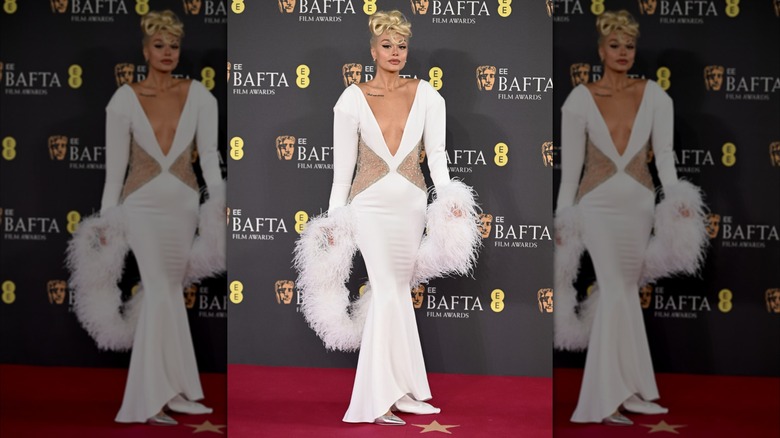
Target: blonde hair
x=392, y=22
x=620, y=21
x=165, y=21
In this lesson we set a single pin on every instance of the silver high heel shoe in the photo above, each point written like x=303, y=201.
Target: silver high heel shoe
x=638, y=406
x=389, y=420
x=161, y=419
x=617, y=419
x=183, y=406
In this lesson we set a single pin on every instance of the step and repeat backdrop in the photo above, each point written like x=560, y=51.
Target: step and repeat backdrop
x=718, y=61
x=491, y=61
x=60, y=63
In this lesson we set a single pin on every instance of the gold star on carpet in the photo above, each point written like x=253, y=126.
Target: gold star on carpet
x=663, y=426
x=207, y=427
x=436, y=427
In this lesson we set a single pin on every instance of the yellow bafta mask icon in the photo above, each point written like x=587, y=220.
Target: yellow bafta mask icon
x=229, y=66
x=59, y=6
x=418, y=294
x=57, y=289
x=773, y=300
x=284, y=291
x=352, y=73
x=192, y=7
x=776, y=4
x=1, y=71
x=713, y=77
x=486, y=77
x=545, y=299
x=286, y=6
x=580, y=73
x=647, y=7
x=547, y=153
x=422, y=155
x=285, y=147
x=485, y=224
x=713, y=225
x=774, y=153
x=190, y=293
x=123, y=72
x=420, y=7
x=58, y=147
x=645, y=295
x=550, y=7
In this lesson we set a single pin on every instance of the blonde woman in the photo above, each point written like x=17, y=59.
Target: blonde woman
x=151, y=205
x=379, y=198
x=609, y=129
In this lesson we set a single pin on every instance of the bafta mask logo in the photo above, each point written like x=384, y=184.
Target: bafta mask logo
x=713, y=77
x=645, y=295
x=545, y=298
x=486, y=77
x=547, y=153
x=229, y=66
x=776, y=4
x=59, y=6
x=1, y=71
x=422, y=155
x=485, y=224
x=285, y=147
x=284, y=291
x=550, y=7
x=774, y=153
x=58, y=147
x=123, y=72
x=650, y=155
x=192, y=7
x=57, y=289
x=352, y=73
x=190, y=293
x=713, y=225
x=580, y=73
x=418, y=295
x=773, y=300
x=420, y=7
x=647, y=7
x=286, y=6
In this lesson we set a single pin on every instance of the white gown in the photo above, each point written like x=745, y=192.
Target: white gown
x=160, y=199
x=388, y=198
x=616, y=200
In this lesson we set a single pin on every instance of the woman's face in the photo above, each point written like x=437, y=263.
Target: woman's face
x=618, y=51
x=162, y=52
x=390, y=52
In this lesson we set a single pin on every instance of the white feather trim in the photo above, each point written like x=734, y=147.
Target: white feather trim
x=571, y=327
x=95, y=271
x=679, y=243
x=323, y=268
x=452, y=243
x=207, y=257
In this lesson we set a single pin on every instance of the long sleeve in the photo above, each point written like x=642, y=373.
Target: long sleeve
x=118, y=136
x=206, y=138
x=435, y=136
x=573, y=139
x=662, y=136
x=345, y=147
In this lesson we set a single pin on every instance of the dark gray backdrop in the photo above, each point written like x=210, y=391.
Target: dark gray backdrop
x=266, y=48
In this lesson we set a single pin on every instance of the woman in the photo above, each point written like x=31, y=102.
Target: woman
x=610, y=127
x=151, y=197
x=380, y=126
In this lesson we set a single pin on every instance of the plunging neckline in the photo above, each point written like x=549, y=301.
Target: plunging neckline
x=633, y=124
x=406, y=123
x=178, y=122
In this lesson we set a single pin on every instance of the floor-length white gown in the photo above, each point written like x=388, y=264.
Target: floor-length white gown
x=160, y=198
x=616, y=199
x=388, y=198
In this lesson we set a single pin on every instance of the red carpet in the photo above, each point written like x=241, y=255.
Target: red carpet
x=309, y=402
x=705, y=406
x=82, y=402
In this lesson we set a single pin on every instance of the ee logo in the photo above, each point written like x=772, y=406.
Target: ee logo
x=497, y=300
x=236, y=292
x=301, y=218
x=236, y=148
x=502, y=151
